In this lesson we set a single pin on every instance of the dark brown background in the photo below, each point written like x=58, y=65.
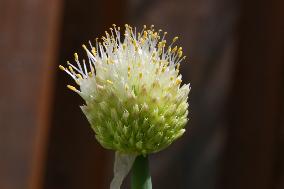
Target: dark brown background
x=235, y=137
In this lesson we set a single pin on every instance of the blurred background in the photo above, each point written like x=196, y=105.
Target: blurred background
x=235, y=136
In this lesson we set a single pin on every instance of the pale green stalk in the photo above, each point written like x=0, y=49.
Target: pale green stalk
x=141, y=178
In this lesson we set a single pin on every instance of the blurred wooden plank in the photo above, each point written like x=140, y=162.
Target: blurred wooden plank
x=256, y=104
x=27, y=50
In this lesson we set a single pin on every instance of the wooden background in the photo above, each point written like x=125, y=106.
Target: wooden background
x=237, y=56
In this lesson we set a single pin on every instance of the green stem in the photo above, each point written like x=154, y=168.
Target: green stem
x=141, y=178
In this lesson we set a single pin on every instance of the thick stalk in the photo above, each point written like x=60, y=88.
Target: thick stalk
x=141, y=178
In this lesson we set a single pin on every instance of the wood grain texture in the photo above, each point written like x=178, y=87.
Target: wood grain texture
x=256, y=101
x=27, y=50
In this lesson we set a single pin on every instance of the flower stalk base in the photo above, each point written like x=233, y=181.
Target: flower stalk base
x=141, y=178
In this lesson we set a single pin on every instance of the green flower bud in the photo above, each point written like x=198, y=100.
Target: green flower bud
x=132, y=88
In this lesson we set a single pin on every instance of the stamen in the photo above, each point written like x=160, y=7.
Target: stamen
x=76, y=56
x=71, y=69
x=72, y=88
x=109, y=81
x=175, y=39
x=174, y=49
x=136, y=51
x=68, y=63
x=178, y=81
x=79, y=76
x=61, y=68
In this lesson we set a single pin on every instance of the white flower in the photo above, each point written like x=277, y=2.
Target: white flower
x=131, y=84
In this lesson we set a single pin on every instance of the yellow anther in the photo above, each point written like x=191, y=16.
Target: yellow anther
x=61, y=67
x=94, y=51
x=174, y=49
x=71, y=69
x=171, y=78
x=145, y=34
x=155, y=35
x=128, y=74
x=113, y=25
x=179, y=54
x=166, y=63
x=140, y=75
x=72, y=88
x=178, y=81
x=84, y=46
x=79, y=76
x=76, y=56
x=128, y=68
x=144, y=26
x=161, y=45
x=139, y=64
x=90, y=74
x=175, y=39
x=169, y=49
x=178, y=65
x=124, y=46
x=163, y=69
x=109, y=81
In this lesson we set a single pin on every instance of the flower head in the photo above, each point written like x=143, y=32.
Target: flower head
x=131, y=85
